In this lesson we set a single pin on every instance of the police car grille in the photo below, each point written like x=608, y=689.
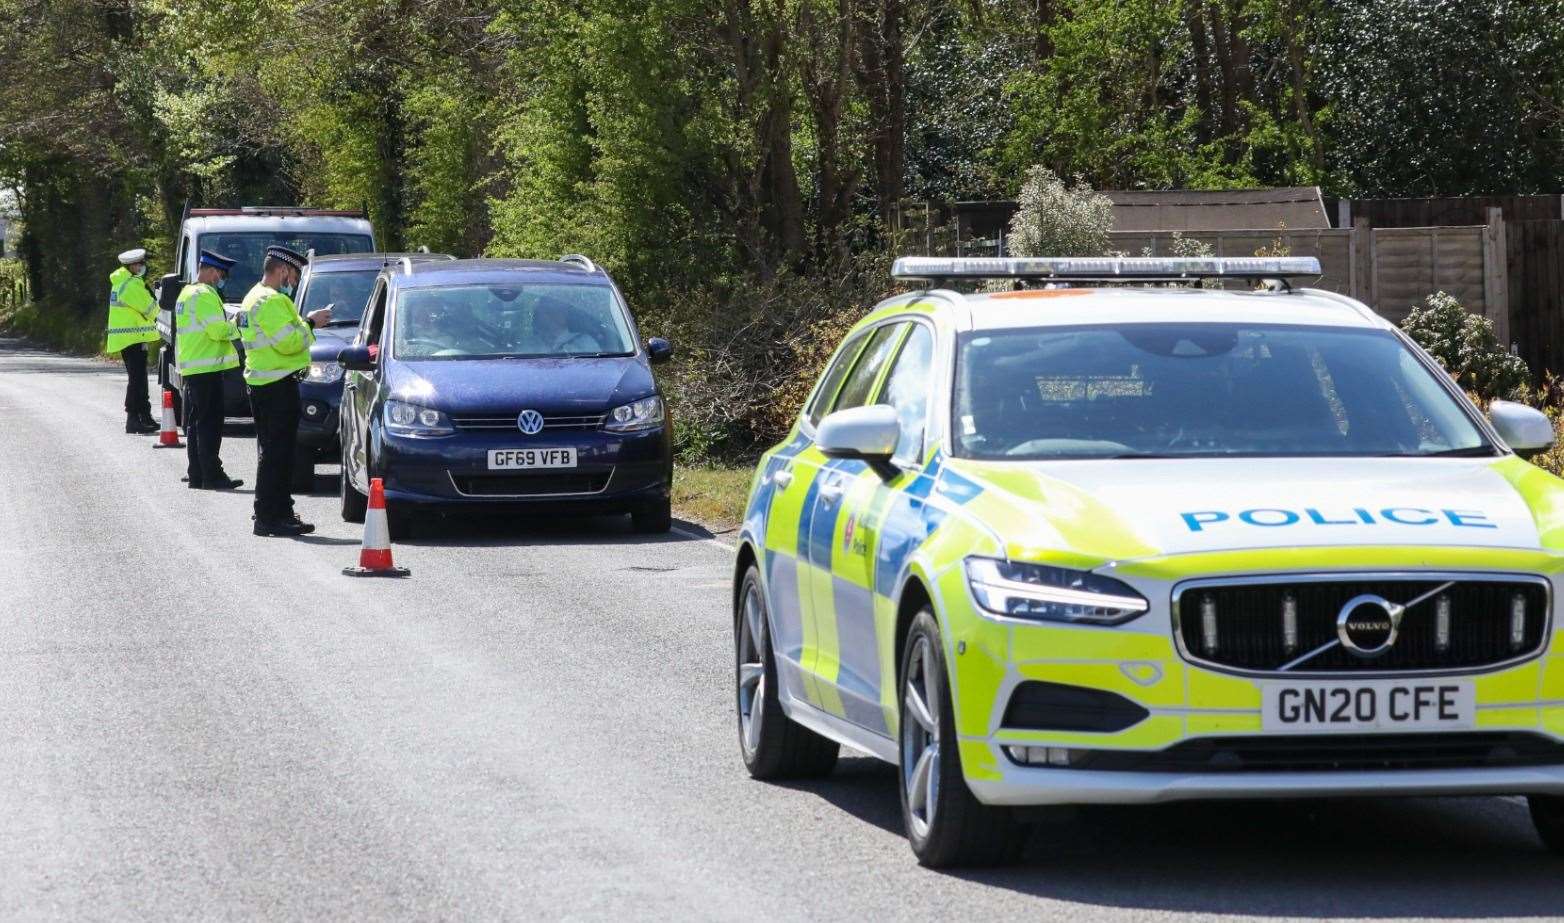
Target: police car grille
x=1326, y=753
x=1250, y=636
x=551, y=423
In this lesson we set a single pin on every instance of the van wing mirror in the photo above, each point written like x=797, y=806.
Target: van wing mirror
x=658, y=350
x=168, y=291
x=1526, y=430
x=356, y=358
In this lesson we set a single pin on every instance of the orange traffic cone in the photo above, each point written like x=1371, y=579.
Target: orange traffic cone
x=168, y=436
x=374, y=558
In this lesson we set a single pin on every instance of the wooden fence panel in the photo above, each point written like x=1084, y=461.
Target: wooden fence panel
x=1454, y=210
x=1412, y=263
x=1536, y=280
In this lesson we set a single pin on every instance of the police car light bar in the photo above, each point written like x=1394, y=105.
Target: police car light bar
x=1103, y=269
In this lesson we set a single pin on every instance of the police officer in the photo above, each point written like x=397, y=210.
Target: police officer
x=203, y=350
x=132, y=325
x=277, y=345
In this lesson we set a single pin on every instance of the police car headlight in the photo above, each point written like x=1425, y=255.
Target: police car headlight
x=646, y=413
x=1052, y=594
x=324, y=373
x=406, y=419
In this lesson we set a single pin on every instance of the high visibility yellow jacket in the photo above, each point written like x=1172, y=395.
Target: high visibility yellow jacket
x=205, y=334
x=276, y=339
x=132, y=312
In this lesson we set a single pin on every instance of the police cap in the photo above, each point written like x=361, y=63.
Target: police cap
x=292, y=257
x=217, y=260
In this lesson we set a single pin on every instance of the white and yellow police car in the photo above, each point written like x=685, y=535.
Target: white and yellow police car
x=1076, y=542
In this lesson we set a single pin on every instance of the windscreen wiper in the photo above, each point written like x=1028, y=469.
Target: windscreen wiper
x=1471, y=451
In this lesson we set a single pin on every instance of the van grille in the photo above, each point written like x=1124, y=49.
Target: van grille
x=1242, y=625
x=551, y=423
x=531, y=485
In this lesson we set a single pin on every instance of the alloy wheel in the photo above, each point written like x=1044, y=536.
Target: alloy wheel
x=920, y=756
x=751, y=670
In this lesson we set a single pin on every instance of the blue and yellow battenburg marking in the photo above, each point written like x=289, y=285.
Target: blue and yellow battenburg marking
x=838, y=537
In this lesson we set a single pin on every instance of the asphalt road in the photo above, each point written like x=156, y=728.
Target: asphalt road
x=196, y=723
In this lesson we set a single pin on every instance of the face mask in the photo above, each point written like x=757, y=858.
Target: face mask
x=286, y=290
x=141, y=272
x=220, y=284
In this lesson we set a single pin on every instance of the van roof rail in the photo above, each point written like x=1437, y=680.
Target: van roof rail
x=579, y=260
x=276, y=211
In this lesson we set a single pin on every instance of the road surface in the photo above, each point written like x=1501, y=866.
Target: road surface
x=196, y=723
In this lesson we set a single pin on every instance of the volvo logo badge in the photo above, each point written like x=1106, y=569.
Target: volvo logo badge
x=1367, y=625
x=530, y=422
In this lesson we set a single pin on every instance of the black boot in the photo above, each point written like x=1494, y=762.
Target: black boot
x=134, y=423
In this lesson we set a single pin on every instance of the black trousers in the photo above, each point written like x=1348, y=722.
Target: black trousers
x=276, y=410
x=204, y=427
x=135, y=357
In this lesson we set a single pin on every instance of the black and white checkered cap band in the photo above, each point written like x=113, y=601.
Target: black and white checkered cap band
x=283, y=254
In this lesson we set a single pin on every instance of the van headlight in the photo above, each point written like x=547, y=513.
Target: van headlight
x=1051, y=594
x=646, y=413
x=324, y=373
x=406, y=419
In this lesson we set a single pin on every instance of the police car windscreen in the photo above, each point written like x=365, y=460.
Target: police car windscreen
x=1177, y=390
x=481, y=321
x=249, y=248
x=347, y=292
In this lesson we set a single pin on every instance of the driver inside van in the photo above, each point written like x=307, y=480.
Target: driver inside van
x=556, y=329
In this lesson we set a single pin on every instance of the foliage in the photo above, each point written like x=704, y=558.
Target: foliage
x=737, y=164
x=752, y=353
x=1464, y=343
x=1058, y=220
x=1446, y=97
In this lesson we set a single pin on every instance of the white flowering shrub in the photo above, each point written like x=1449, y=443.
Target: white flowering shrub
x=1058, y=220
x=1465, y=345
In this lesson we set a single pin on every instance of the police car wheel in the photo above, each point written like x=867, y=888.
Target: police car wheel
x=1547, y=812
x=946, y=825
x=354, y=504
x=772, y=744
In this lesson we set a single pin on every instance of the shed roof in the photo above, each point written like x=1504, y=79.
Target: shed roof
x=1296, y=207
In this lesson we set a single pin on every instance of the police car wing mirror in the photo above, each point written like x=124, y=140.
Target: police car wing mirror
x=865, y=433
x=658, y=350
x=356, y=359
x=1526, y=430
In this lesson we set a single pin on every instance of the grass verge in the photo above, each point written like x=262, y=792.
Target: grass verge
x=713, y=497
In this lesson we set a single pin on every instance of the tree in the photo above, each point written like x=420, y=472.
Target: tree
x=1057, y=220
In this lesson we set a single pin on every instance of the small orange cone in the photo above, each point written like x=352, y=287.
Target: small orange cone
x=374, y=558
x=168, y=436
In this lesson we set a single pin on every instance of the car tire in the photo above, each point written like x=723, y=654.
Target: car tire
x=654, y=518
x=303, y=469
x=1547, y=812
x=772, y=745
x=354, y=504
x=946, y=825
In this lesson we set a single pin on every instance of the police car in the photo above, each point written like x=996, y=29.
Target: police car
x=1133, y=543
